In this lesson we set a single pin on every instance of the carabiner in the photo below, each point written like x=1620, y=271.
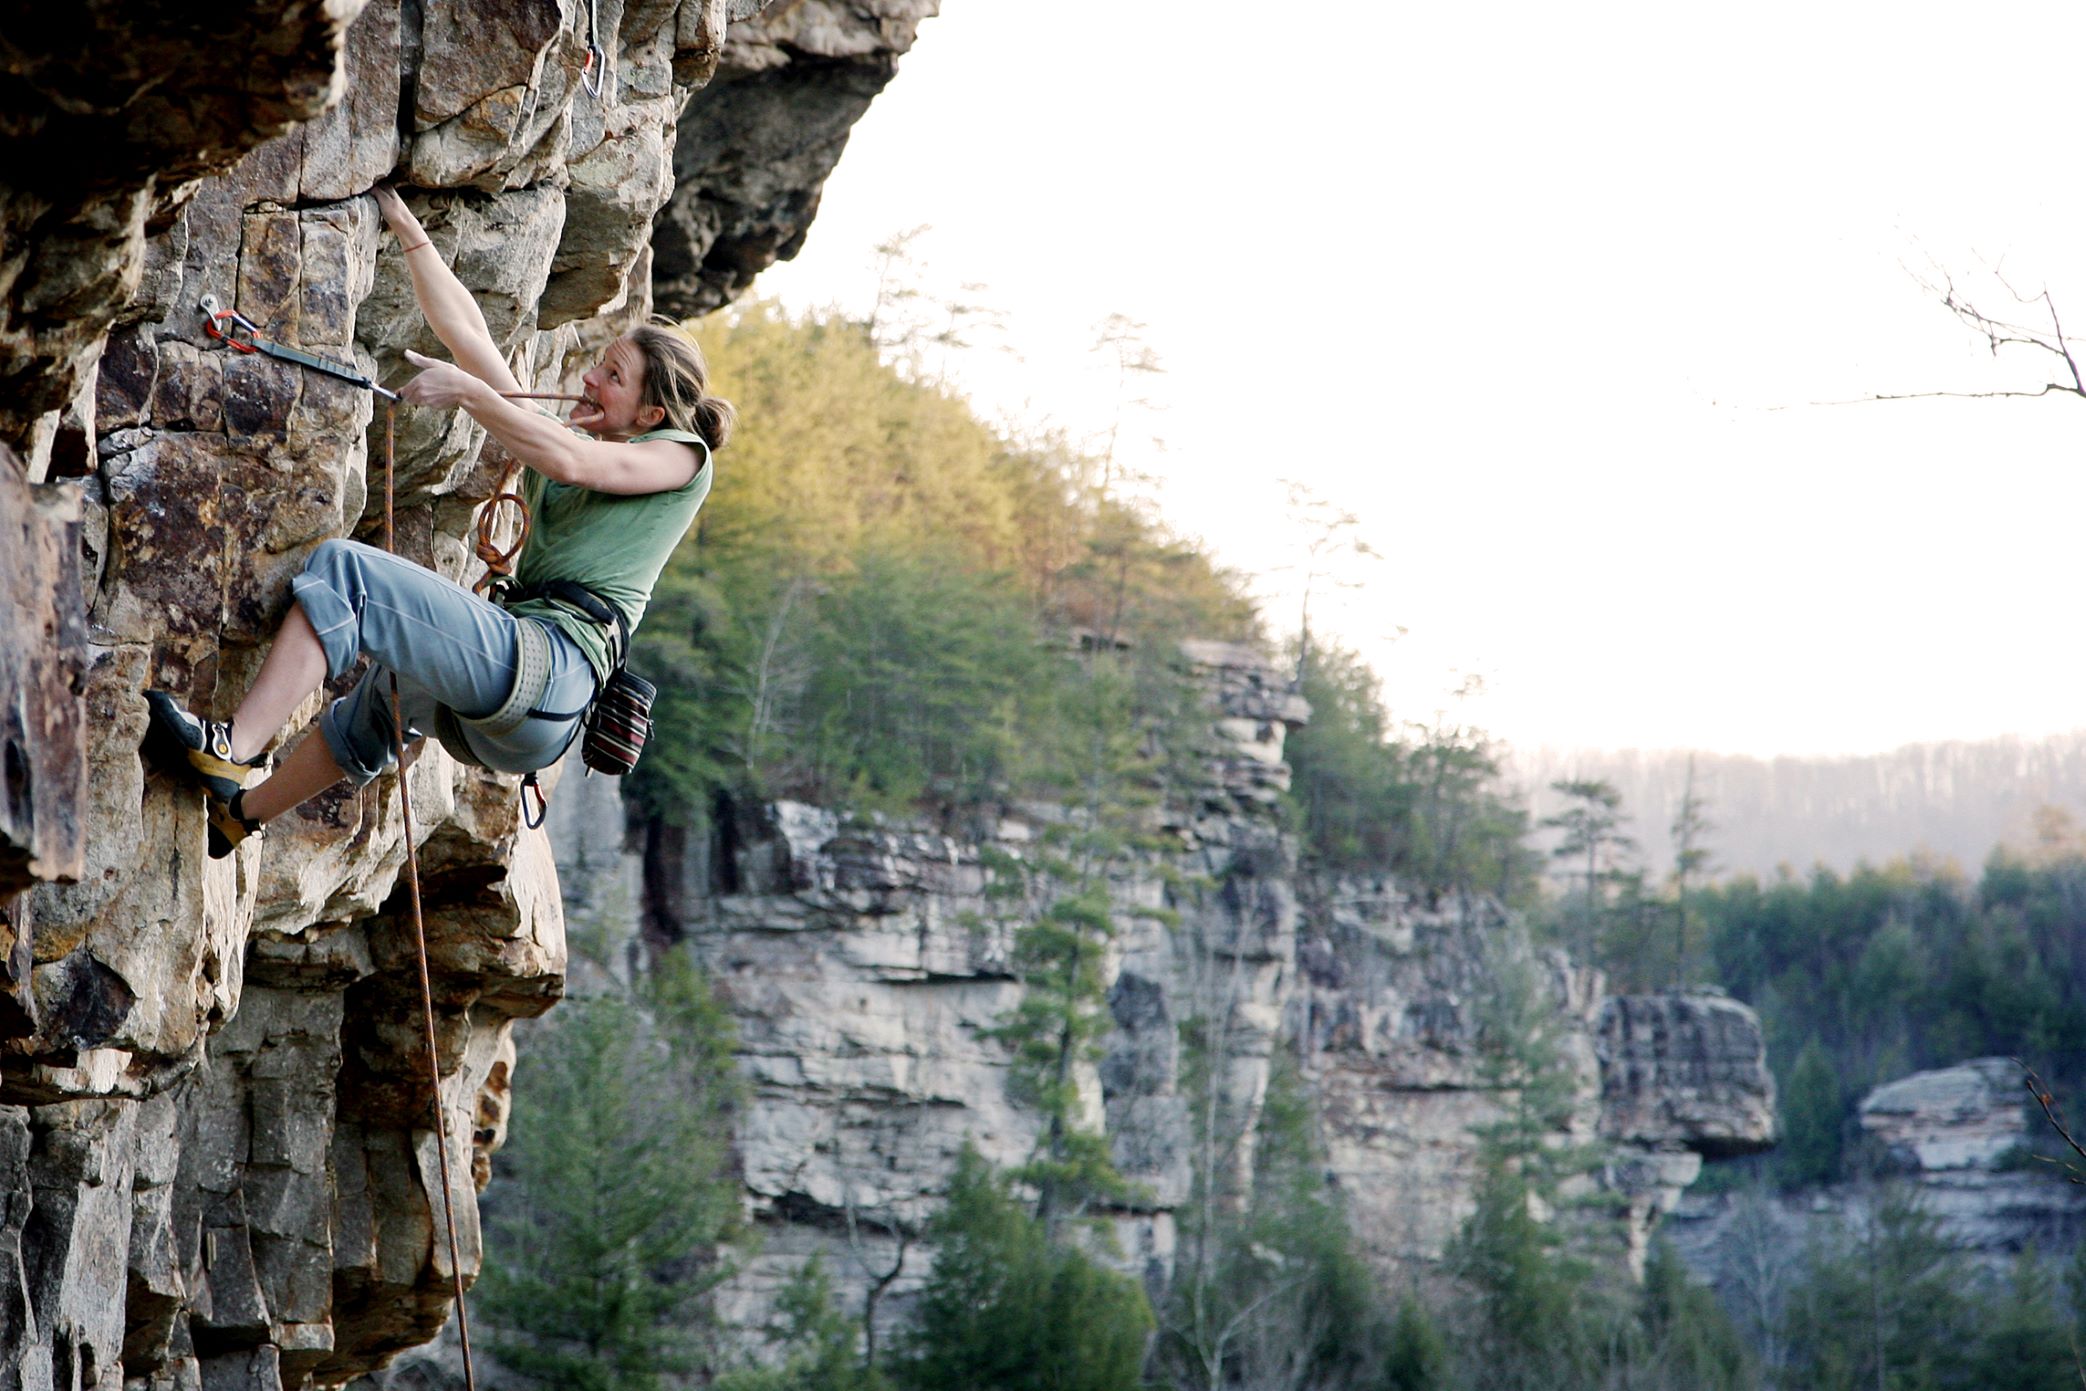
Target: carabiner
x=213, y=316
x=596, y=67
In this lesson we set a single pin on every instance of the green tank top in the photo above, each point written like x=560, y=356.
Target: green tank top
x=613, y=543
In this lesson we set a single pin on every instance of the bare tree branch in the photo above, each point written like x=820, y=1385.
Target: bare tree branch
x=2043, y=1099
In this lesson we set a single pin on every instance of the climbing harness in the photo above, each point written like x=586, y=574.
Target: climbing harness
x=619, y=718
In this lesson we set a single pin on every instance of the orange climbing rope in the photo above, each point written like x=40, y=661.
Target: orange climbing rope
x=427, y=989
x=499, y=562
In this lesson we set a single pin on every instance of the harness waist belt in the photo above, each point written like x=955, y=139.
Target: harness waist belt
x=531, y=676
x=576, y=596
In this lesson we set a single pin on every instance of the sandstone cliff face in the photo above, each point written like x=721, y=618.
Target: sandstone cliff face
x=215, y=1124
x=1952, y=1139
x=790, y=85
x=866, y=966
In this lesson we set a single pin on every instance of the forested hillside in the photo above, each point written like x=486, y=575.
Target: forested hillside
x=882, y=595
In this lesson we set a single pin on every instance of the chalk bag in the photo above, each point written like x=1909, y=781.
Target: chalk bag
x=617, y=724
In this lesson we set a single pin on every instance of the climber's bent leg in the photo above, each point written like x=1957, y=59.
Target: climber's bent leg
x=450, y=649
x=295, y=667
x=357, y=729
x=309, y=770
x=456, y=646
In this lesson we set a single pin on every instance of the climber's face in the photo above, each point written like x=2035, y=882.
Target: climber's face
x=614, y=387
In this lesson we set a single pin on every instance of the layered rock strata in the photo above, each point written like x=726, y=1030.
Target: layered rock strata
x=790, y=85
x=216, y=1123
x=1399, y=1012
x=867, y=968
x=1955, y=1141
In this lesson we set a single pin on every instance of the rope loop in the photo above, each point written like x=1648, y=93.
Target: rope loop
x=499, y=562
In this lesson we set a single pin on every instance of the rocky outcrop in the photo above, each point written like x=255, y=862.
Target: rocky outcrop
x=1398, y=1012
x=215, y=1118
x=112, y=113
x=1956, y=1120
x=790, y=85
x=43, y=747
x=1955, y=1141
x=866, y=966
x=1683, y=1079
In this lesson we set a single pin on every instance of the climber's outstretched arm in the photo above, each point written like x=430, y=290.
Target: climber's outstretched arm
x=546, y=446
x=450, y=310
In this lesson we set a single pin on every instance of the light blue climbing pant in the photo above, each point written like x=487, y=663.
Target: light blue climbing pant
x=447, y=646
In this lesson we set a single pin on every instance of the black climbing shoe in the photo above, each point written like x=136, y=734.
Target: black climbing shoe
x=196, y=749
x=227, y=826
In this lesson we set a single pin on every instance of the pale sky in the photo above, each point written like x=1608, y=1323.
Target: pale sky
x=1543, y=295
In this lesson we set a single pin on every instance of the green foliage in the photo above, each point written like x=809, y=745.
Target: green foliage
x=1814, y=1121
x=1909, y=965
x=1519, y=1033
x=1422, y=802
x=2026, y=1335
x=615, y=1197
x=813, y=1340
x=1692, y=860
x=868, y=608
x=1686, y=1338
x=1889, y=1304
x=922, y=680
x=1591, y=844
x=1009, y=1309
x=1270, y=1291
x=1118, y=741
x=1542, y=1315
x=1417, y=1358
x=1533, y=1315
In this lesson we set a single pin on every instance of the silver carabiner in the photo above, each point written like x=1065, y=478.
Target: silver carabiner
x=596, y=66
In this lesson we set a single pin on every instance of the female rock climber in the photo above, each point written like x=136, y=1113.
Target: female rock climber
x=606, y=513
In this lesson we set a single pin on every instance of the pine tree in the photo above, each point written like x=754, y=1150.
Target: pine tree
x=615, y=1201
x=1592, y=839
x=1890, y=1304
x=816, y=1343
x=1007, y=1308
x=1814, y=1119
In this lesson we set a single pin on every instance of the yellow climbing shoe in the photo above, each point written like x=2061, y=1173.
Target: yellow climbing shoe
x=196, y=749
x=227, y=826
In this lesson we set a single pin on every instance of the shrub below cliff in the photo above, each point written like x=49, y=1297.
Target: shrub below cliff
x=615, y=1199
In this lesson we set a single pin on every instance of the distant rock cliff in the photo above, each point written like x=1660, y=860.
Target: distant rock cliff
x=1954, y=1140
x=866, y=969
x=216, y=1167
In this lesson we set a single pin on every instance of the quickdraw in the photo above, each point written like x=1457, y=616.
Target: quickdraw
x=499, y=561
x=591, y=73
x=214, y=319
